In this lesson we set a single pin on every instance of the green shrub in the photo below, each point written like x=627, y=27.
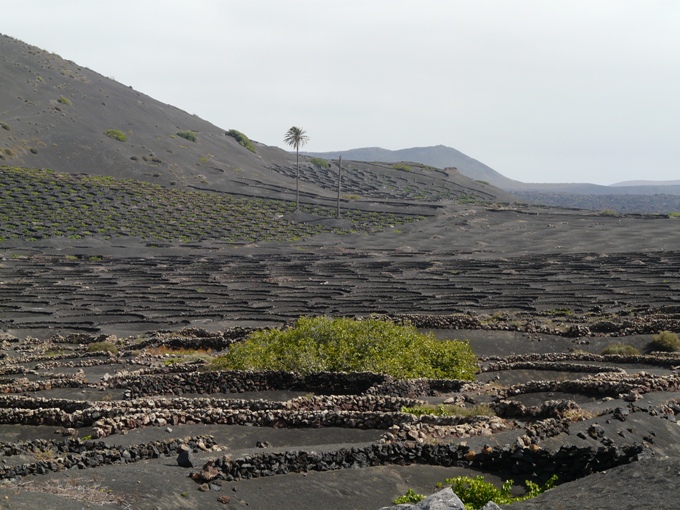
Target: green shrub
x=402, y=166
x=64, y=100
x=242, y=139
x=410, y=497
x=619, y=348
x=475, y=492
x=345, y=345
x=116, y=134
x=450, y=410
x=102, y=347
x=608, y=212
x=187, y=135
x=666, y=341
x=482, y=182
x=672, y=214
x=5, y=126
x=320, y=162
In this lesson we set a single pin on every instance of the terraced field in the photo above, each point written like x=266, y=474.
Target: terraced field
x=102, y=293
x=38, y=204
x=401, y=181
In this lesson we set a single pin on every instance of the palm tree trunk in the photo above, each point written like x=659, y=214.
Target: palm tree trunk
x=297, y=180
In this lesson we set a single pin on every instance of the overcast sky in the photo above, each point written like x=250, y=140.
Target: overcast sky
x=541, y=91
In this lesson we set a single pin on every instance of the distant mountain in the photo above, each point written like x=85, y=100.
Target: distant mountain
x=441, y=156
x=438, y=156
x=648, y=183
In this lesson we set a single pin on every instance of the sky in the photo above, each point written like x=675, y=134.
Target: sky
x=541, y=91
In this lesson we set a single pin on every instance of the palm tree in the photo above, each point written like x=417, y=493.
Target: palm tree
x=296, y=137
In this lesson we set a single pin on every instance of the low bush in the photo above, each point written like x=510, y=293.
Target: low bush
x=402, y=166
x=344, y=345
x=5, y=126
x=320, y=162
x=476, y=492
x=242, y=139
x=619, y=348
x=187, y=135
x=608, y=212
x=64, y=100
x=450, y=410
x=116, y=134
x=102, y=347
x=411, y=496
x=666, y=341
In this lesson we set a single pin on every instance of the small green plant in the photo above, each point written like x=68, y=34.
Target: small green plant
x=482, y=182
x=5, y=126
x=44, y=455
x=450, y=410
x=321, y=344
x=476, y=492
x=672, y=214
x=188, y=135
x=102, y=347
x=619, y=348
x=242, y=139
x=666, y=341
x=402, y=166
x=116, y=134
x=320, y=162
x=608, y=212
x=64, y=100
x=411, y=496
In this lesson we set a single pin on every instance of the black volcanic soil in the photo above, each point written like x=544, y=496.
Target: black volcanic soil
x=508, y=269
x=538, y=292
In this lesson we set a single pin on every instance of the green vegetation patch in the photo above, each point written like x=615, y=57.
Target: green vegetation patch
x=39, y=204
x=608, y=212
x=476, y=492
x=64, y=100
x=241, y=139
x=188, y=135
x=619, y=348
x=666, y=341
x=450, y=410
x=402, y=166
x=323, y=344
x=322, y=163
x=116, y=134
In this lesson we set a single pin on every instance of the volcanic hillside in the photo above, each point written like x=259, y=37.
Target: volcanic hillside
x=56, y=114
